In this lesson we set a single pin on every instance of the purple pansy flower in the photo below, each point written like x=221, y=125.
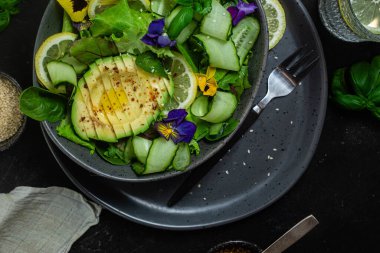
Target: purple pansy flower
x=175, y=127
x=156, y=36
x=241, y=10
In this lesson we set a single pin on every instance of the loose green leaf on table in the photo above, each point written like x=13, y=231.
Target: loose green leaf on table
x=7, y=9
x=359, y=88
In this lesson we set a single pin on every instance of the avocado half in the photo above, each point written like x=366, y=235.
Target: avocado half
x=116, y=99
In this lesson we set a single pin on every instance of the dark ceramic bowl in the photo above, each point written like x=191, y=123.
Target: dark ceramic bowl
x=51, y=23
x=235, y=247
x=4, y=145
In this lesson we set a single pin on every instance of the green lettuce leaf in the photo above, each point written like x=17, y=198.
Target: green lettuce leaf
x=66, y=130
x=119, y=19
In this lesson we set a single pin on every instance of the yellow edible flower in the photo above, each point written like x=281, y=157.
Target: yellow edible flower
x=76, y=9
x=207, y=83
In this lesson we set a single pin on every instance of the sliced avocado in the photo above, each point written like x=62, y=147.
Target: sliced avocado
x=79, y=113
x=128, y=79
x=105, y=67
x=102, y=86
x=95, y=101
x=121, y=99
x=104, y=130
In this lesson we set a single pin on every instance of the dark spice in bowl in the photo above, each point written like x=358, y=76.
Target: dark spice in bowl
x=11, y=119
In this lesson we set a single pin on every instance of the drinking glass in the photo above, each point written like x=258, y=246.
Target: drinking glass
x=352, y=20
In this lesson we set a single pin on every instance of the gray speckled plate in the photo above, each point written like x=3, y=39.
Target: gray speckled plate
x=51, y=23
x=261, y=167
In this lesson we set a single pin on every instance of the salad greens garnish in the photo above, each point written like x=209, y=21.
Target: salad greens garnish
x=156, y=36
x=149, y=82
x=7, y=9
x=358, y=87
x=241, y=10
x=175, y=127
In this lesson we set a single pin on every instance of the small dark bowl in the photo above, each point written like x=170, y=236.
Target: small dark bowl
x=51, y=23
x=235, y=247
x=4, y=145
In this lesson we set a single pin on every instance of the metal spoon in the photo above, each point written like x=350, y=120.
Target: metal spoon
x=280, y=245
x=292, y=235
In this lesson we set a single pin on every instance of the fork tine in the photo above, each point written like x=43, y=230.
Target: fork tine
x=304, y=58
x=307, y=68
x=292, y=57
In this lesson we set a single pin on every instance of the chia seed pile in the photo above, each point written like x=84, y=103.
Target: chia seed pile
x=10, y=116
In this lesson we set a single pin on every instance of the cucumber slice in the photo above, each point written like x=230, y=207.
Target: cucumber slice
x=223, y=105
x=162, y=7
x=187, y=32
x=244, y=36
x=160, y=156
x=182, y=157
x=199, y=107
x=77, y=65
x=141, y=148
x=215, y=129
x=217, y=23
x=129, y=153
x=61, y=73
x=222, y=54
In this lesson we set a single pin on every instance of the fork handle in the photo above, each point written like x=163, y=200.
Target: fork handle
x=262, y=104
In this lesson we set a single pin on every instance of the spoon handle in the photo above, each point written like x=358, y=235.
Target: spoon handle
x=292, y=235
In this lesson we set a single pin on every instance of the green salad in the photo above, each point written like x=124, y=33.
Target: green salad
x=143, y=82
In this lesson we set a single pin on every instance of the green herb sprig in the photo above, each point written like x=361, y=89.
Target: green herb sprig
x=7, y=9
x=358, y=87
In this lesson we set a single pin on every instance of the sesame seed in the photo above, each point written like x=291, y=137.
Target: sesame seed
x=199, y=185
x=268, y=174
x=249, y=151
x=227, y=172
x=251, y=130
x=244, y=164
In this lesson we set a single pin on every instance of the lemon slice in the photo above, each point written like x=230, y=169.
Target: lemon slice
x=276, y=19
x=97, y=6
x=368, y=13
x=53, y=48
x=185, y=84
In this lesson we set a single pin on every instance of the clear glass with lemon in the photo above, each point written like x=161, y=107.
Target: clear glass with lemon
x=352, y=20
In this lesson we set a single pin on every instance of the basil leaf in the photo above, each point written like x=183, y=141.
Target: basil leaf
x=149, y=62
x=5, y=18
x=351, y=102
x=376, y=112
x=359, y=73
x=66, y=130
x=180, y=21
x=338, y=84
x=40, y=104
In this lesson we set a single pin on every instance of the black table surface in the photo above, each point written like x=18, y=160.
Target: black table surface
x=341, y=186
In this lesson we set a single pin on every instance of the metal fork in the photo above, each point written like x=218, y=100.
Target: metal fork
x=282, y=81
x=287, y=76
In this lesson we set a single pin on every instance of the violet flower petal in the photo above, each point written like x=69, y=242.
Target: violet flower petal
x=156, y=27
x=177, y=115
x=148, y=40
x=247, y=8
x=233, y=10
x=186, y=131
x=163, y=41
x=238, y=17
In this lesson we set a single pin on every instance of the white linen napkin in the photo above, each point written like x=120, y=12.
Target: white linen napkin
x=44, y=220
